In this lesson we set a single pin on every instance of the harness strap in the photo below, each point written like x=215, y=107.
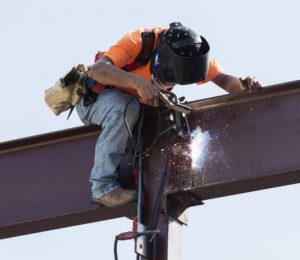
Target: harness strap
x=148, y=40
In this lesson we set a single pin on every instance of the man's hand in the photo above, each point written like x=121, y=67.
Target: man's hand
x=232, y=84
x=250, y=83
x=148, y=93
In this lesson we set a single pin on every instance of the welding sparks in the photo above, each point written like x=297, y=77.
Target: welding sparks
x=200, y=141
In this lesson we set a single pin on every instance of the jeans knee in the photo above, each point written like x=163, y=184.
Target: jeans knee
x=132, y=111
x=123, y=102
x=134, y=107
x=119, y=102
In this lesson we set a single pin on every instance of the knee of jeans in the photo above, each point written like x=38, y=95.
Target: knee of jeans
x=134, y=107
x=133, y=111
x=128, y=105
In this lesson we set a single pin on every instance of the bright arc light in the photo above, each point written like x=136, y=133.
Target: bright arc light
x=200, y=140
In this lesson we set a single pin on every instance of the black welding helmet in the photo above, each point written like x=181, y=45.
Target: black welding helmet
x=181, y=56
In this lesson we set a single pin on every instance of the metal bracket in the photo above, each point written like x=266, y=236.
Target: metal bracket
x=178, y=220
x=197, y=200
x=141, y=242
x=144, y=237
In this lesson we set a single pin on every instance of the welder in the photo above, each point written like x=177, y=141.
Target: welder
x=139, y=64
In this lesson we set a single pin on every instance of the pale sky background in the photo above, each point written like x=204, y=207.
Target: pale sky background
x=41, y=40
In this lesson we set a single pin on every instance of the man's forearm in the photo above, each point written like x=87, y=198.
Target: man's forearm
x=229, y=83
x=232, y=84
x=107, y=74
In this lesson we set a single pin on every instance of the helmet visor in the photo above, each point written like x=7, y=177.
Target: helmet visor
x=171, y=68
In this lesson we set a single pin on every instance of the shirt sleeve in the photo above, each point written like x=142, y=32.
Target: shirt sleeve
x=214, y=69
x=126, y=49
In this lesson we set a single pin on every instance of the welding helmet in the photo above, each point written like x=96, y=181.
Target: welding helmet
x=181, y=56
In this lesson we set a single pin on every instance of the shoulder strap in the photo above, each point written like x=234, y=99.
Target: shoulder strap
x=148, y=40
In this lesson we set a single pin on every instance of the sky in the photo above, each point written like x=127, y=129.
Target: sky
x=41, y=40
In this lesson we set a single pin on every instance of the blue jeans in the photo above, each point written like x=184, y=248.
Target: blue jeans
x=108, y=111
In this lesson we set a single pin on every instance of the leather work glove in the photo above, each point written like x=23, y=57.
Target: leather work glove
x=250, y=83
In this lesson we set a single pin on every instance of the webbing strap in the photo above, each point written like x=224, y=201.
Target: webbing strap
x=148, y=40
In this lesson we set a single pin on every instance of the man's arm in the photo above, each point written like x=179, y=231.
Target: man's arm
x=104, y=72
x=232, y=84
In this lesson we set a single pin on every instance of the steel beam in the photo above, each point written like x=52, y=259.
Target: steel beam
x=254, y=145
x=44, y=183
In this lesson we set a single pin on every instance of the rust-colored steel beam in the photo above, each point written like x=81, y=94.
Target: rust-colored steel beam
x=254, y=145
x=44, y=183
x=253, y=142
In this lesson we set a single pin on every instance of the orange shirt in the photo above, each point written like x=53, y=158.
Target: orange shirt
x=129, y=46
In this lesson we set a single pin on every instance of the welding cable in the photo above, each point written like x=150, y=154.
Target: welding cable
x=138, y=145
x=139, y=148
x=159, y=194
x=140, y=183
x=116, y=248
x=141, y=178
x=157, y=134
x=126, y=123
x=154, y=215
x=132, y=235
x=124, y=236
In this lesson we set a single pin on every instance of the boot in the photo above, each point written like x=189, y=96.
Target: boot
x=116, y=198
